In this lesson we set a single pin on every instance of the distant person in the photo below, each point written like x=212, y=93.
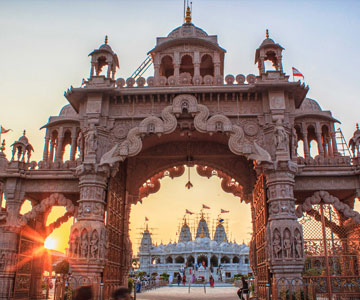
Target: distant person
x=243, y=291
x=178, y=279
x=212, y=281
x=193, y=278
x=84, y=293
x=171, y=278
x=184, y=279
x=121, y=293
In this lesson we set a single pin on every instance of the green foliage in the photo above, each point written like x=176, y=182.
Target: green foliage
x=165, y=276
x=312, y=272
x=141, y=274
x=62, y=267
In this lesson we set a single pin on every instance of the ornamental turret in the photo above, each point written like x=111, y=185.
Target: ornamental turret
x=185, y=234
x=146, y=242
x=188, y=56
x=269, y=51
x=220, y=234
x=102, y=57
x=202, y=230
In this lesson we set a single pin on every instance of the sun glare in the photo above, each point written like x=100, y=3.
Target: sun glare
x=50, y=243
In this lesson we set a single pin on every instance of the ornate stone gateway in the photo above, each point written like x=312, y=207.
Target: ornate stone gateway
x=125, y=135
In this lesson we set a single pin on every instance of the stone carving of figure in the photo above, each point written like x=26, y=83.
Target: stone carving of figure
x=84, y=245
x=298, y=244
x=76, y=246
x=277, y=245
x=281, y=138
x=287, y=244
x=91, y=141
x=354, y=142
x=94, y=245
x=294, y=142
x=80, y=144
x=2, y=261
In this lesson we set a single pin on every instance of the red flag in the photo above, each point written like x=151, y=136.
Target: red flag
x=146, y=219
x=189, y=212
x=3, y=130
x=205, y=207
x=296, y=72
x=223, y=211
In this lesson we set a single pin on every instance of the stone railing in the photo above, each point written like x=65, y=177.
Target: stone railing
x=185, y=79
x=320, y=160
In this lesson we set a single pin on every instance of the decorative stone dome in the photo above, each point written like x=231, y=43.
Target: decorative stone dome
x=186, y=31
x=68, y=111
x=309, y=105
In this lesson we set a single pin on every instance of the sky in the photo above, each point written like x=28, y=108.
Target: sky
x=45, y=46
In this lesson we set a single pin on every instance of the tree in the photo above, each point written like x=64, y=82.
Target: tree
x=62, y=267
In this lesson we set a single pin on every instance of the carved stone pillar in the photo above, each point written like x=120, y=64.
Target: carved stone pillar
x=52, y=149
x=46, y=148
x=319, y=142
x=59, y=147
x=73, y=144
x=217, y=70
x=284, y=233
x=196, y=69
x=8, y=255
x=88, y=240
x=9, y=236
x=306, y=145
x=333, y=142
x=176, y=70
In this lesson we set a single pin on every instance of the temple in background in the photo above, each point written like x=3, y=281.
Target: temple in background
x=212, y=252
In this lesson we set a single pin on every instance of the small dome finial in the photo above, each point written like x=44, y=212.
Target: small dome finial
x=357, y=126
x=267, y=33
x=188, y=15
x=106, y=39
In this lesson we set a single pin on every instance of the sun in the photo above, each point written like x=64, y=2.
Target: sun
x=50, y=243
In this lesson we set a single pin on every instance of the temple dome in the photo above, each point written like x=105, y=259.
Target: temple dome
x=309, y=105
x=68, y=111
x=187, y=30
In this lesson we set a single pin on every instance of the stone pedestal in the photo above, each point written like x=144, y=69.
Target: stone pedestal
x=88, y=241
x=284, y=233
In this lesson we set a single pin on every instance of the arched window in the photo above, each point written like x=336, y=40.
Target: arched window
x=202, y=259
x=166, y=66
x=190, y=260
x=325, y=140
x=246, y=261
x=206, y=66
x=225, y=260
x=313, y=145
x=214, y=261
x=270, y=61
x=187, y=65
x=169, y=260
x=66, y=146
x=179, y=260
x=236, y=260
x=26, y=206
x=53, y=144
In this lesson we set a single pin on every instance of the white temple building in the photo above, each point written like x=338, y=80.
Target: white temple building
x=222, y=257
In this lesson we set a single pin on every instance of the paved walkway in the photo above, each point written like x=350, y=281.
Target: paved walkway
x=196, y=292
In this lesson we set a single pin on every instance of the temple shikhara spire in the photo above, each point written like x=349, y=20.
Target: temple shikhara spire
x=271, y=146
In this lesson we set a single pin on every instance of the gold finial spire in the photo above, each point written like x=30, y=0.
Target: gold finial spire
x=267, y=33
x=106, y=39
x=357, y=126
x=24, y=132
x=188, y=15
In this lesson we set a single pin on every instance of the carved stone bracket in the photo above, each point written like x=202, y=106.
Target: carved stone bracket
x=167, y=124
x=324, y=197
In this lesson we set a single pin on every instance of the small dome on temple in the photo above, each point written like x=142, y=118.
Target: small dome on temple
x=68, y=111
x=309, y=105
